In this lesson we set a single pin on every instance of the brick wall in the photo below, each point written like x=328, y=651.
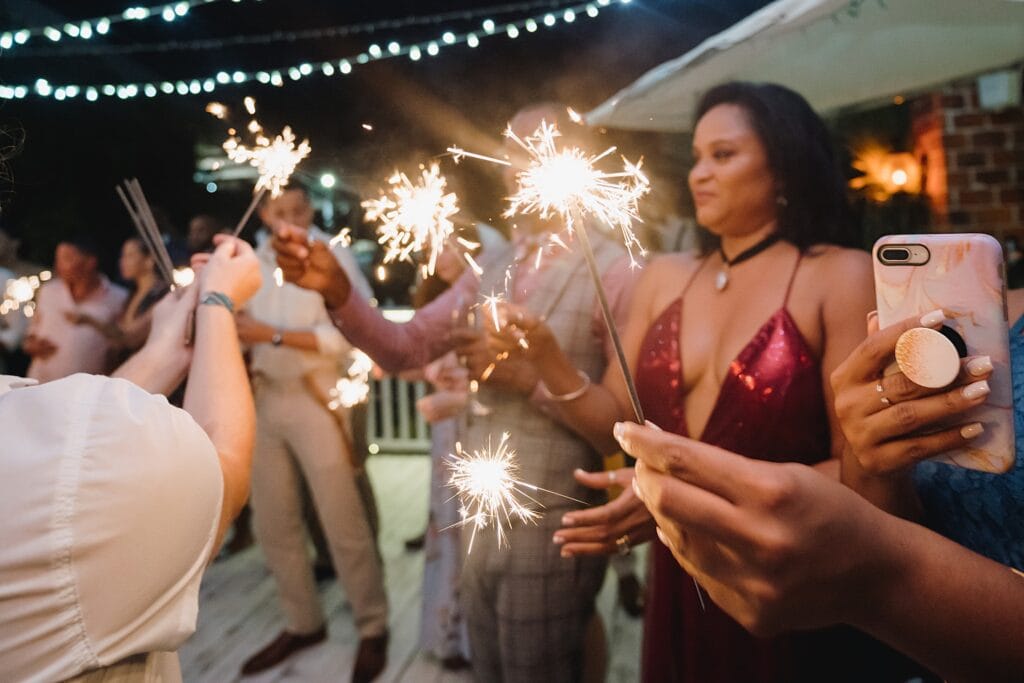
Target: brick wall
x=973, y=161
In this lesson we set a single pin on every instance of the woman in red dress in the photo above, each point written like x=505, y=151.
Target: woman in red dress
x=734, y=346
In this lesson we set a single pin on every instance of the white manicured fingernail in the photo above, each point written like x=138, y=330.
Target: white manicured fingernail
x=619, y=432
x=933, y=319
x=558, y=540
x=636, y=489
x=979, y=366
x=972, y=430
x=653, y=426
x=976, y=390
x=663, y=538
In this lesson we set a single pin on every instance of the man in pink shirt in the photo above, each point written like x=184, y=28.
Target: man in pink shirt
x=527, y=607
x=57, y=345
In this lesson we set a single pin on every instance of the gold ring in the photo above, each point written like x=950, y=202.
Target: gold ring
x=622, y=543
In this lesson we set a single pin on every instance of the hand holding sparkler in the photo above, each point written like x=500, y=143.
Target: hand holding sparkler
x=567, y=183
x=310, y=264
x=514, y=373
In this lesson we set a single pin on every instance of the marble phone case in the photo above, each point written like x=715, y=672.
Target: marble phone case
x=964, y=277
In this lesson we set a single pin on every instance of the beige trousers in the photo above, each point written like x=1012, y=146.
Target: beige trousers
x=296, y=436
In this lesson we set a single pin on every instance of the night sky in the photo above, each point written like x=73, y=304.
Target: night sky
x=72, y=153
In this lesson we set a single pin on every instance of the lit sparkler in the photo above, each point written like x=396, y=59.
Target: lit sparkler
x=567, y=182
x=414, y=217
x=489, y=492
x=275, y=159
x=355, y=388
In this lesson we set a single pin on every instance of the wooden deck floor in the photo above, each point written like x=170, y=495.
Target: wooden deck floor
x=238, y=610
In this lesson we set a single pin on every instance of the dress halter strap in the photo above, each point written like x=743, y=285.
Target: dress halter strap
x=693, y=275
x=792, y=277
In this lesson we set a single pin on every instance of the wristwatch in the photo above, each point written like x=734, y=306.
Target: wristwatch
x=277, y=338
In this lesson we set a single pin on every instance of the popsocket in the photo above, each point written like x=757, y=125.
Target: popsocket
x=927, y=357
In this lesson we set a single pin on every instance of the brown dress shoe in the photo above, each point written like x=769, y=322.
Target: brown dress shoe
x=371, y=658
x=281, y=648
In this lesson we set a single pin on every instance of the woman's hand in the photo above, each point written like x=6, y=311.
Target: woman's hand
x=891, y=424
x=777, y=546
x=614, y=527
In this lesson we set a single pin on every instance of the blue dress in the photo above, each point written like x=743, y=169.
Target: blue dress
x=981, y=511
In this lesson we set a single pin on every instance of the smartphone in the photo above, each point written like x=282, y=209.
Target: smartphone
x=963, y=274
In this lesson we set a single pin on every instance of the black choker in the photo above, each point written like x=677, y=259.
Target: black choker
x=722, y=279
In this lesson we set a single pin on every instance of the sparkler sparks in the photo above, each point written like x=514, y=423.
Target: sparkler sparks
x=489, y=492
x=566, y=182
x=414, y=217
x=275, y=160
x=354, y=389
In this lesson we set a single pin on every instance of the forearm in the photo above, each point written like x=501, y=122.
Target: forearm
x=397, y=346
x=893, y=493
x=158, y=367
x=947, y=607
x=592, y=415
x=302, y=339
x=219, y=398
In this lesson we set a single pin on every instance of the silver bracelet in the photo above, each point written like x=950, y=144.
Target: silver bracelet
x=572, y=395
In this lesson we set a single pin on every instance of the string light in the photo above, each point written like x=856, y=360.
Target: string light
x=84, y=29
x=297, y=72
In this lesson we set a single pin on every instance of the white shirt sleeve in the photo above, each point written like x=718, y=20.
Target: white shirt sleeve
x=112, y=498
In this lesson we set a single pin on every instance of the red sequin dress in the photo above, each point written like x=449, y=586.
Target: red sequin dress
x=770, y=406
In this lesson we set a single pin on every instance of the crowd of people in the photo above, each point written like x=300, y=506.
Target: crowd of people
x=798, y=531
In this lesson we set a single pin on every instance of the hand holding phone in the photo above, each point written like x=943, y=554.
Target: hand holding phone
x=961, y=274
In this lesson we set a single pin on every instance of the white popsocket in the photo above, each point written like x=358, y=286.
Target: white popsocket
x=927, y=358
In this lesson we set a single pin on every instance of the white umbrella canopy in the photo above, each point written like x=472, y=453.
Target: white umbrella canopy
x=834, y=52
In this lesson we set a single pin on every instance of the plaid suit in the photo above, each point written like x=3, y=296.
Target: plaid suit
x=527, y=607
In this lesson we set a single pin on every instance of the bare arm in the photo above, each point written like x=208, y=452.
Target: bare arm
x=593, y=414
x=161, y=364
x=218, y=395
x=393, y=346
x=850, y=295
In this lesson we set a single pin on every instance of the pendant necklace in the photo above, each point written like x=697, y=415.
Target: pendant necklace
x=722, y=278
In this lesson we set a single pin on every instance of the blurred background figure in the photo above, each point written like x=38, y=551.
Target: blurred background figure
x=13, y=324
x=58, y=346
x=128, y=331
x=201, y=230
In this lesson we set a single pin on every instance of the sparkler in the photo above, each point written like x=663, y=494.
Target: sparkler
x=275, y=159
x=355, y=388
x=414, y=217
x=566, y=182
x=489, y=492
x=137, y=206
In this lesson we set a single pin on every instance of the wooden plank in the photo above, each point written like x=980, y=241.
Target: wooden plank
x=239, y=612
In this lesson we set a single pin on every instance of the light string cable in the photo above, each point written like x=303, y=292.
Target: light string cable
x=85, y=29
x=277, y=77
x=341, y=31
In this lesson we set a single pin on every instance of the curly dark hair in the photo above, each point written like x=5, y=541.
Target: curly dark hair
x=801, y=158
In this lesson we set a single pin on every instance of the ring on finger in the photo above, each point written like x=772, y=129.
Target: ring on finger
x=622, y=544
x=883, y=398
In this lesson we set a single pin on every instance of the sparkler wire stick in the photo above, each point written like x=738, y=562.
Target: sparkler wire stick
x=609, y=321
x=256, y=198
x=142, y=228
x=154, y=231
